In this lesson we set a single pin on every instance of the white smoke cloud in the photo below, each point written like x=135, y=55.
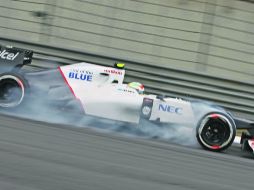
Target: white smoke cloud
x=38, y=108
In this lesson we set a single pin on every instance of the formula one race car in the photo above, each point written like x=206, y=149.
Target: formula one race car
x=99, y=91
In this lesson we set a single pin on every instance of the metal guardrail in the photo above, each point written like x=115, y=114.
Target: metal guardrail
x=233, y=95
x=210, y=36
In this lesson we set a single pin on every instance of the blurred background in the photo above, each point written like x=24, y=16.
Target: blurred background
x=187, y=48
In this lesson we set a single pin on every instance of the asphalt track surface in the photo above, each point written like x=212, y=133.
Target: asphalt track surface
x=36, y=156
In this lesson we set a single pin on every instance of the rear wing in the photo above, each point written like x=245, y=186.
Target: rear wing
x=12, y=58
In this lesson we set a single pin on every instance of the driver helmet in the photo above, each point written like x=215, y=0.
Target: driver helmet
x=137, y=86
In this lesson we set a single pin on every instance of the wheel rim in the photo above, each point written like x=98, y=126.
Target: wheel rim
x=216, y=131
x=11, y=91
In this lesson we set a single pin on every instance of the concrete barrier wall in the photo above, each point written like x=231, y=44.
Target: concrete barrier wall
x=209, y=36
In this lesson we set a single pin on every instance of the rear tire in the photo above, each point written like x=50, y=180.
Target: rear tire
x=216, y=131
x=13, y=90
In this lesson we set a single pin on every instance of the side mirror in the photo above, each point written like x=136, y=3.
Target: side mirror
x=104, y=74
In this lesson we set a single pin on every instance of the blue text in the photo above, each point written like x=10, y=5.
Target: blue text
x=170, y=109
x=80, y=76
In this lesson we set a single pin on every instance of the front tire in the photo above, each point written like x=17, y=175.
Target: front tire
x=216, y=131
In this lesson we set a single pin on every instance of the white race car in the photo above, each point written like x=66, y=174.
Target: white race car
x=100, y=91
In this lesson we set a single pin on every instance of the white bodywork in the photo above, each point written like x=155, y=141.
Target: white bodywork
x=102, y=93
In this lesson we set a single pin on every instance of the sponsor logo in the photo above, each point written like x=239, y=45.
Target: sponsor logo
x=8, y=55
x=146, y=110
x=81, y=71
x=125, y=90
x=112, y=71
x=170, y=109
x=81, y=76
x=148, y=100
